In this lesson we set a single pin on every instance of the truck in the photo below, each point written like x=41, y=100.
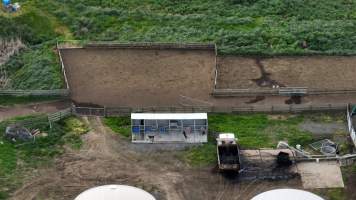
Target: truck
x=228, y=152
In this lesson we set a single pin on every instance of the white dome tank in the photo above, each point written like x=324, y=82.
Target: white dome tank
x=287, y=194
x=115, y=192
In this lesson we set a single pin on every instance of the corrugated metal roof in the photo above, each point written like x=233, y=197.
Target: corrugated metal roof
x=157, y=116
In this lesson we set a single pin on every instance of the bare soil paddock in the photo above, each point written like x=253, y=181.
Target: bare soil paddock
x=318, y=72
x=129, y=77
x=144, y=77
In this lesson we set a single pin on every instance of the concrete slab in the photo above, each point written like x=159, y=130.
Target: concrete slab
x=326, y=174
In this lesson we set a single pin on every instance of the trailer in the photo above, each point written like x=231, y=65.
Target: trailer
x=228, y=152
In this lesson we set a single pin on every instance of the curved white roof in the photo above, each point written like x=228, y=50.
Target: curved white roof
x=115, y=192
x=158, y=116
x=287, y=194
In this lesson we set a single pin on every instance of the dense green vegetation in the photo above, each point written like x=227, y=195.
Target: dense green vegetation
x=11, y=100
x=35, y=68
x=120, y=125
x=237, y=26
x=74, y=128
x=16, y=158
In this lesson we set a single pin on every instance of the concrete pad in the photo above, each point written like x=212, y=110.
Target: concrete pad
x=326, y=174
x=265, y=158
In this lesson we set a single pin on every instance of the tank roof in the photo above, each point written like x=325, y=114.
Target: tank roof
x=115, y=192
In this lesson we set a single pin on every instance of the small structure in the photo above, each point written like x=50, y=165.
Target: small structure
x=115, y=192
x=9, y=6
x=6, y=3
x=169, y=127
x=17, y=133
x=228, y=152
x=286, y=194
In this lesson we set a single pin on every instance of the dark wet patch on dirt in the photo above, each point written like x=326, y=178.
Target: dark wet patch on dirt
x=256, y=99
x=294, y=99
x=84, y=104
x=265, y=80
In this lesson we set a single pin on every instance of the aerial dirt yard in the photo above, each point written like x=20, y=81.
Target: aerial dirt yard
x=314, y=72
x=107, y=158
x=139, y=77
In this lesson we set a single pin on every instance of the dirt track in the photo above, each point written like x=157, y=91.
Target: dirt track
x=107, y=159
x=33, y=108
x=318, y=72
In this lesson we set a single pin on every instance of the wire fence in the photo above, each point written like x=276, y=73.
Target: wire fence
x=68, y=44
x=287, y=91
x=124, y=111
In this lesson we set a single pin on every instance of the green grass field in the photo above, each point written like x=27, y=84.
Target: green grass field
x=236, y=26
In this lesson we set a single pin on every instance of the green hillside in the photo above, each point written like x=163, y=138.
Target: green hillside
x=237, y=26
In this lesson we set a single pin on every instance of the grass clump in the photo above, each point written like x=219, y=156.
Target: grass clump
x=336, y=194
x=120, y=125
x=74, y=128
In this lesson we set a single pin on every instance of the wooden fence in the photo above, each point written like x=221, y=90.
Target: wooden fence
x=141, y=45
x=63, y=68
x=57, y=116
x=122, y=111
x=58, y=92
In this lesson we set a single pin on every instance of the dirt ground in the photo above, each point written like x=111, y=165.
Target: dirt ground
x=317, y=72
x=134, y=77
x=116, y=77
x=33, y=108
x=108, y=159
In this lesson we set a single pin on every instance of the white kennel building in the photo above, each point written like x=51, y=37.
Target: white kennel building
x=169, y=127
